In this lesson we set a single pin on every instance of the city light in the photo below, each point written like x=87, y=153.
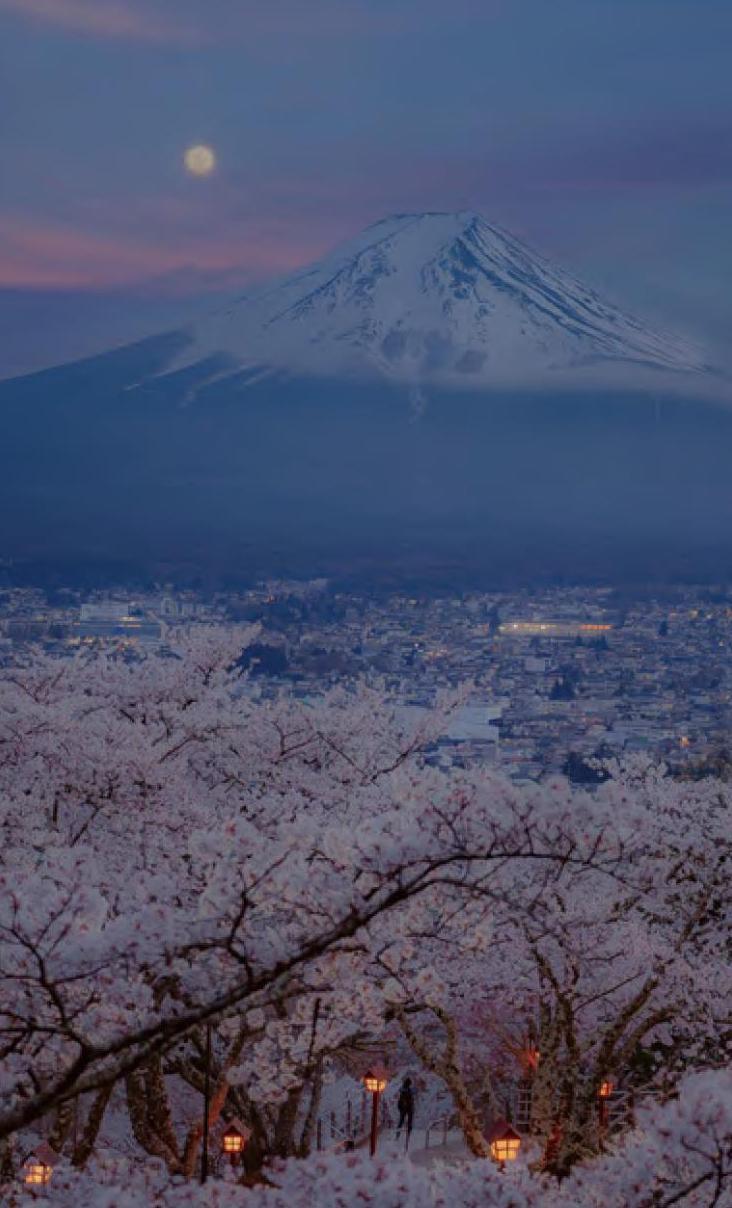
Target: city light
x=557, y=629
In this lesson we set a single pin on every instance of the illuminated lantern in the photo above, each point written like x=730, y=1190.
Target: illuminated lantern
x=504, y=1142
x=37, y=1173
x=605, y=1090
x=234, y=1140
x=38, y=1166
x=375, y=1081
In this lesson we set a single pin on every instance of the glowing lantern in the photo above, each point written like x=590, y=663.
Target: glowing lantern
x=504, y=1142
x=604, y=1092
x=375, y=1081
x=37, y=1173
x=234, y=1140
x=38, y=1167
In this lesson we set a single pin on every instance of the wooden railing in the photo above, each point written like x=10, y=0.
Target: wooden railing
x=441, y=1125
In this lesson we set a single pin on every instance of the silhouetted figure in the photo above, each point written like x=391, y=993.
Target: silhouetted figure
x=405, y=1103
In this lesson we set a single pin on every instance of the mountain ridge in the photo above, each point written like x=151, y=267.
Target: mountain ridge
x=435, y=296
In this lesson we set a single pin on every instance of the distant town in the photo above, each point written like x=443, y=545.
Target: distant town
x=557, y=680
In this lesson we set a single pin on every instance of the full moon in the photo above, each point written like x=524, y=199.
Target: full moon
x=200, y=160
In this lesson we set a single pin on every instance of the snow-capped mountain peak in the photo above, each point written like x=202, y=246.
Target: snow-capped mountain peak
x=435, y=296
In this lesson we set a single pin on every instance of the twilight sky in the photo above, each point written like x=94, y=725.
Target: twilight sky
x=598, y=130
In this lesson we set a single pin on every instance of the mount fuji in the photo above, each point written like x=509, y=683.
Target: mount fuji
x=431, y=402
x=434, y=297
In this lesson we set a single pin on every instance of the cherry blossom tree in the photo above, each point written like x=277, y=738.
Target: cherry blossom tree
x=581, y=980
x=182, y=853
x=177, y=853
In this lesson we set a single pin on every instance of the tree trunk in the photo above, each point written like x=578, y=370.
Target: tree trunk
x=147, y=1137
x=259, y=1144
x=284, y=1144
x=577, y=1136
x=159, y=1117
x=447, y=1067
x=7, y=1161
x=308, y=1128
x=85, y=1146
x=195, y=1132
x=62, y=1125
x=219, y=1096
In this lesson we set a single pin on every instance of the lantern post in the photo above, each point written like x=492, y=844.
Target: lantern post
x=375, y=1081
x=206, y=1103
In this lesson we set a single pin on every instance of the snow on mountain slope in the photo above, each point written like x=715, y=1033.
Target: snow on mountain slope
x=434, y=297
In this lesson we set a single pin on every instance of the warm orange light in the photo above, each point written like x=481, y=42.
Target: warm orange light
x=531, y=1057
x=505, y=1149
x=233, y=1141
x=606, y=1089
x=375, y=1082
x=504, y=1142
x=37, y=1173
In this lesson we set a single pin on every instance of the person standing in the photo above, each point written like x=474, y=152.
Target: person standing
x=405, y=1104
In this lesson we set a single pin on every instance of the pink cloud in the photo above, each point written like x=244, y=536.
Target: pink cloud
x=102, y=18
x=151, y=20
x=35, y=253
